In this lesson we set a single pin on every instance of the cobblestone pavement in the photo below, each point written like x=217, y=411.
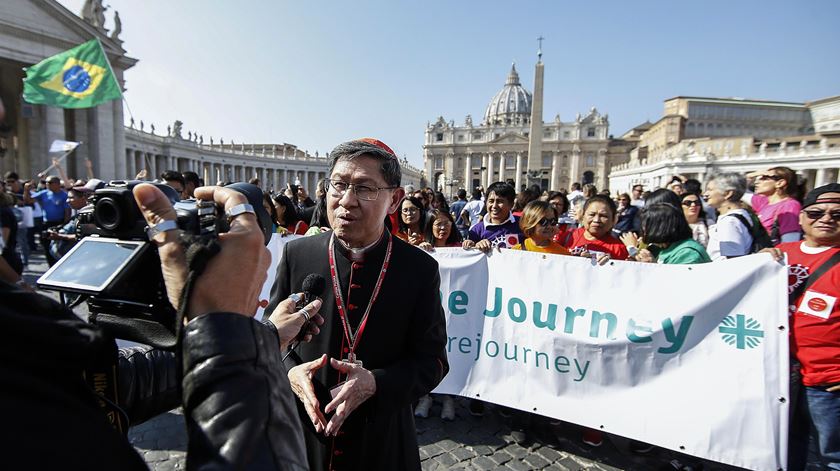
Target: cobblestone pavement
x=474, y=443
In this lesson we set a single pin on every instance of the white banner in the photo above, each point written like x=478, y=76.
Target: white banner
x=687, y=357
x=693, y=358
x=275, y=246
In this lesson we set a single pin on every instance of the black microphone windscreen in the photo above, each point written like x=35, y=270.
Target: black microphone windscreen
x=314, y=284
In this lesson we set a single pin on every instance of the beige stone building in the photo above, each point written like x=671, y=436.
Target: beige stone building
x=470, y=154
x=697, y=137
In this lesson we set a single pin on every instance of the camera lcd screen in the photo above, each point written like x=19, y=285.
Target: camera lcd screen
x=91, y=265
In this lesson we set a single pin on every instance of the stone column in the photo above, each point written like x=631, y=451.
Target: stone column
x=600, y=164
x=491, y=178
x=53, y=128
x=118, y=131
x=139, y=164
x=130, y=170
x=555, y=172
x=82, y=153
x=820, y=178
x=502, y=158
x=518, y=178
x=152, y=172
x=574, y=168
x=468, y=173
x=484, y=170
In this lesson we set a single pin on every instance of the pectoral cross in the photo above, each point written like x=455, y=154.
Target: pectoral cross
x=351, y=358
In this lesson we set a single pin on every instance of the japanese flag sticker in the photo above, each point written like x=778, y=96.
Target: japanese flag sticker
x=817, y=304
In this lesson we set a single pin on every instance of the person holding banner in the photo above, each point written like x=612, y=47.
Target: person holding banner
x=814, y=290
x=383, y=343
x=594, y=239
x=539, y=224
x=499, y=228
x=441, y=231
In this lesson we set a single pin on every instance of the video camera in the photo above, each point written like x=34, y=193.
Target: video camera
x=117, y=268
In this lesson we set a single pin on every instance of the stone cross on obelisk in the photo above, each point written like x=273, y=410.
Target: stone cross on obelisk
x=536, y=134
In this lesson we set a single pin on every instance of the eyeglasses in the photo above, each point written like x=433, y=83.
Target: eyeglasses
x=443, y=225
x=768, y=177
x=547, y=222
x=817, y=214
x=363, y=192
x=690, y=203
x=406, y=210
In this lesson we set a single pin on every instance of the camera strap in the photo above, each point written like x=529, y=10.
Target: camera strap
x=101, y=378
x=199, y=253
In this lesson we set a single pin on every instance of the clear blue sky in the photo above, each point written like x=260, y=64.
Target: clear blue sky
x=317, y=73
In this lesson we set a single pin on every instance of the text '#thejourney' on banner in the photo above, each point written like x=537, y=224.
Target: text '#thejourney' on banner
x=673, y=355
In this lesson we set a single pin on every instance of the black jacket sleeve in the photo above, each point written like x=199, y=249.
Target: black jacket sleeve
x=238, y=404
x=147, y=382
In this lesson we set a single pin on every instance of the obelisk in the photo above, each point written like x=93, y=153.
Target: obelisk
x=536, y=134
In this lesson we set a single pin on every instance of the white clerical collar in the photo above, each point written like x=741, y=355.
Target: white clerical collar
x=358, y=254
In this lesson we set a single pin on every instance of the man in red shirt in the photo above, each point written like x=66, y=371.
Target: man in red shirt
x=815, y=327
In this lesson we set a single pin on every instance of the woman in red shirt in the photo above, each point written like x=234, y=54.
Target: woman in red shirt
x=594, y=239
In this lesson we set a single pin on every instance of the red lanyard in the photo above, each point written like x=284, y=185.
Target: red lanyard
x=353, y=338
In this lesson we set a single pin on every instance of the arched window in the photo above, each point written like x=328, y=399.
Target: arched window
x=588, y=177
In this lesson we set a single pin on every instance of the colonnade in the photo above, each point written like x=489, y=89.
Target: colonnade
x=271, y=176
x=500, y=166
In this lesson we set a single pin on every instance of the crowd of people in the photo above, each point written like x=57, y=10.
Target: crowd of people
x=686, y=222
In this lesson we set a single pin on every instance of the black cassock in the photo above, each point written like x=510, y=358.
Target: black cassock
x=403, y=345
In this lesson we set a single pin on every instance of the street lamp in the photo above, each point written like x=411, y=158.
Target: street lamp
x=453, y=183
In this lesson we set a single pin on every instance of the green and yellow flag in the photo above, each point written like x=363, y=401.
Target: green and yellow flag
x=78, y=78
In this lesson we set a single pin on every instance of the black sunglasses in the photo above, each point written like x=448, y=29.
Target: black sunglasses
x=817, y=214
x=768, y=177
x=546, y=222
x=691, y=203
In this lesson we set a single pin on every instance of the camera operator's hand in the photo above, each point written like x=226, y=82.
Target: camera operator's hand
x=289, y=321
x=233, y=278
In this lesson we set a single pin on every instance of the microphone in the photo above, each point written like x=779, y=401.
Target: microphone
x=313, y=286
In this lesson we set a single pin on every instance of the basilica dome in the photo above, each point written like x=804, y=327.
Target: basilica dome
x=512, y=105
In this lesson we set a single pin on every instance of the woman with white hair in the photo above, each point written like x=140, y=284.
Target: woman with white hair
x=731, y=236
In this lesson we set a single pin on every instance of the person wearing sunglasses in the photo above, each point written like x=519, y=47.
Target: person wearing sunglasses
x=777, y=202
x=628, y=216
x=692, y=207
x=539, y=224
x=814, y=291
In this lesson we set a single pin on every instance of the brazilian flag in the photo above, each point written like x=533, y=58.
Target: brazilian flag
x=78, y=78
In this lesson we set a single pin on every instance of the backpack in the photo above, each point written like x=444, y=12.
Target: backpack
x=760, y=238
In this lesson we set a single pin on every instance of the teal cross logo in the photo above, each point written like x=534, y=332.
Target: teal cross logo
x=741, y=332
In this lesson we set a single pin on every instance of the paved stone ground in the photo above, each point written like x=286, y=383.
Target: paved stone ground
x=474, y=443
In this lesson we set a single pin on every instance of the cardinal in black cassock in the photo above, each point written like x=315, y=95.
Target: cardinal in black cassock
x=401, y=340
